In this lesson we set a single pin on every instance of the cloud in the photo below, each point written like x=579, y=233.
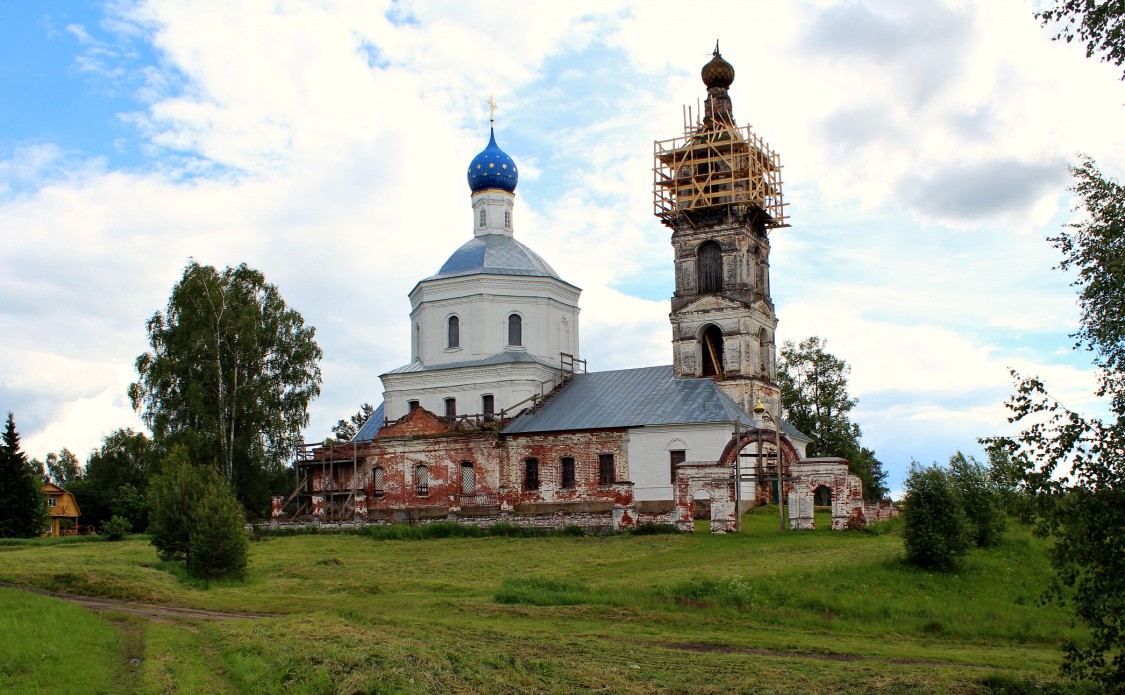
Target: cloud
x=981, y=190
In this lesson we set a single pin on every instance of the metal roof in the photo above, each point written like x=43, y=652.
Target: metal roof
x=631, y=398
x=371, y=427
x=502, y=358
x=495, y=254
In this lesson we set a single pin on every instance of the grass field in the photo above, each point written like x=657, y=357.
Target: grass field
x=760, y=611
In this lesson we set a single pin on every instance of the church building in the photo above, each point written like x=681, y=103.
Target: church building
x=495, y=417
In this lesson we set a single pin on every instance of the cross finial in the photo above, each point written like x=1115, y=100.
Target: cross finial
x=716, y=47
x=491, y=110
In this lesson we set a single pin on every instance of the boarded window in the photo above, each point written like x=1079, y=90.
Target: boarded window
x=451, y=409
x=531, y=474
x=605, y=469
x=515, y=330
x=488, y=405
x=377, y=481
x=421, y=481
x=454, y=332
x=567, y=466
x=675, y=457
x=468, y=479
x=709, y=267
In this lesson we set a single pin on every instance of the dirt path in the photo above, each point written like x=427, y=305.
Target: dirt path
x=145, y=610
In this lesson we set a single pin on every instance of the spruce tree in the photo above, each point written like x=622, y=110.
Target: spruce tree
x=218, y=540
x=23, y=507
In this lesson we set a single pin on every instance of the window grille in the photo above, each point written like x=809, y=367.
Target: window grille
x=605, y=469
x=531, y=474
x=421, y=481
x=567, y=465
x=377, y=481
x=468, y=479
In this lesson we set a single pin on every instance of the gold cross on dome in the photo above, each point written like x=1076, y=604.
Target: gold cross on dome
x=491, y=110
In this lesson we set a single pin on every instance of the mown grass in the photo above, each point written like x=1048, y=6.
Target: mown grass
x=757, y=611
x=44, y=641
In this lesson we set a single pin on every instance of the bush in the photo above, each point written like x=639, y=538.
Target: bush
x=980, y=498
x=935, y=530
x=116, y=528
x=194, y=517
x=218, y=541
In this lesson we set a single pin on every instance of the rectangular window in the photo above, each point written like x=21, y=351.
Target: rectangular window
x=675, y=457
x=421, y=481
x=377, y=481
x=451, y=409
x=488, y=405
x=531, y=474
x=605, y=469
x=413, y=405
x=567, y=465
x=54, y=502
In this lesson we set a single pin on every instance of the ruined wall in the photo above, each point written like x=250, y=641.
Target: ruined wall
x=713, y=481
x=846, y=490
x=587, y=493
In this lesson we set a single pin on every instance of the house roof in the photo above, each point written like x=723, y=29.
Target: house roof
x=631, y=398
x=369, y=429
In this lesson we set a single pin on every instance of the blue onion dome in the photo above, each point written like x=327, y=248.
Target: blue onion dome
x=493, y=168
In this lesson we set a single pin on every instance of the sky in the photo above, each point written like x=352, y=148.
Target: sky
x=925, y=148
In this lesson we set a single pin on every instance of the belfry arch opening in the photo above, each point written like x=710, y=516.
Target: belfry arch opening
x=711, y=347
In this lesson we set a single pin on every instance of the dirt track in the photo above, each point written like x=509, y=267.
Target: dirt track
x=146, y=610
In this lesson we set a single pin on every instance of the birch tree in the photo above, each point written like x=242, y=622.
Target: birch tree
x=229, y=376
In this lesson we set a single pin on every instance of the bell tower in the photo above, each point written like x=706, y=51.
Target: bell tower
x=718, y=188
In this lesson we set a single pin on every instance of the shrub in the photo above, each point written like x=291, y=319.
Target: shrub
x=116, y=528
x=218, y=541
x=935, y=529
x=980, y=499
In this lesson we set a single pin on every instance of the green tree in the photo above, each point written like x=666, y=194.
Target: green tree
x=115, y=529
x=1075, y=464
x=23, y=507
x=980, y=498
x=218, y=541
x=815, y=400
x=230, y=374
x=130, y=505
x=1101, y=25
x=63, y=468
x=935, y=529
x=125, y=457
x=172, y=499
x=346, y=429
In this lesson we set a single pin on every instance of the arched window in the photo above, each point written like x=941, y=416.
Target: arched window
x=468, y=478
x=454, y=332
x=709, y=267
x=763, y=351
x=515, y=330
x=421, y=480
x=711, y=345
x=377, y=481
x=483, y=216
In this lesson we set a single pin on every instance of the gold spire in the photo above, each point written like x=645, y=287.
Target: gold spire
x=491, y=110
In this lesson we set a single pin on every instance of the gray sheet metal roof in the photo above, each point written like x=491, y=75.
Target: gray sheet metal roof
x=495, y=254
x=502, y=358
x=371, y=427
x=631, y=398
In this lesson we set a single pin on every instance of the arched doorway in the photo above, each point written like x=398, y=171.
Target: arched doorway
x=822, y=496
x=711, y=347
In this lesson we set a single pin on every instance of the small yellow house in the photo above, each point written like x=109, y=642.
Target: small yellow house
x=63, y=509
